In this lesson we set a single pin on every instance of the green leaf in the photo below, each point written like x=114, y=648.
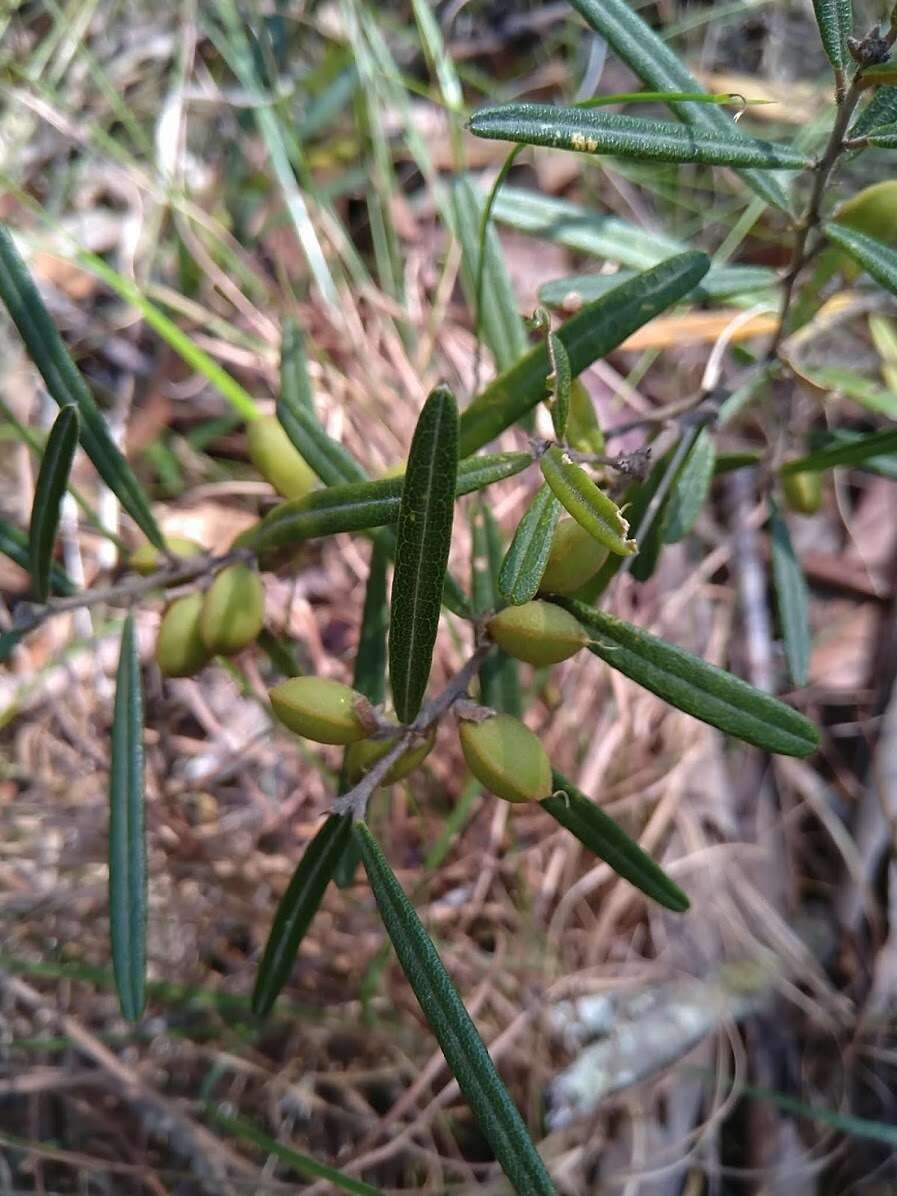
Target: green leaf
x=660, y=68
x=722, y=283
x=503, y=329
x=499, y=675
x=52, y=480
x=583, y=429
x=333, y=464
x=874, y=256
x=15, y=544
x=66, y=386
x=592, y=132
x=792, y=599
x=589, y=506
x=835, y=21
x=521, y=570
x=885, y=464
x=855, y=452
x=359, y=506
x=127, y=846
x=589, y=335
x=881, y=110
x=690, y=489
x=467, y=1057
x=602, y=836
x=700, y=689
x=300, y=1163
x=297, y=907
x=560, y=383
x=850, y=385
x=424, y=538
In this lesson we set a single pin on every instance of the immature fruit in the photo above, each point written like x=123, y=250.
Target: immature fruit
x=147, y=558
x=180, y=651
x=575, y=557
x=321, y=709
x=233, y=610
x=538, y=632
x=802, y=491
x=363, y=755
x=272, y=453
x=506, y=757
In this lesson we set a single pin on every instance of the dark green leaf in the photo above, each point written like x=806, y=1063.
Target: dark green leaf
x=835, y=21
x=589, y=335
x=295, y=384
x=885, y=137
x=874, y=256
x=690, y=489
x=66, y=386
x=52, y=480
x=525, y=561
x=602, y=836
x=857, y=451
x=658, y=66
x=14, y=544
x=792, y=599
x=881, y=110
x=560, y=383
x=885, y=465
x=424, y=537
x=571, y=292
x=589, y=131
x=467, y=1057
x=499, y=675
x=693, y=685
x=298, y=906
x=127, y=846
x=589, y=506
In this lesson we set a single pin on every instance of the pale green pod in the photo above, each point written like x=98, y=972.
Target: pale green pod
x=321, y=709
x=574, y=559
x=180, y=651
x=277, y=460
x=147, y=558
x=363, y=755
x=233, y=610
x=505, y=756
x=538, y=632
x=802, y=491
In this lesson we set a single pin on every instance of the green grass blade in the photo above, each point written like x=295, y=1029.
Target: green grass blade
x=589, y=506
x=127, y=846
x=300, y=1163
x=835, y=21
x=295, y=384
x=15, y=544
x=592, y=333
x=66, y=386
x=524, y=563
x=792, y=599
x=424, y=538
x=467, y=1057
x=691, y=684
x=51, y=485
x=588, y=131
x=856, y=451
x=690, y=489
x=602, y=836
x=874, y=256
x=297, y=907
x=661, y=69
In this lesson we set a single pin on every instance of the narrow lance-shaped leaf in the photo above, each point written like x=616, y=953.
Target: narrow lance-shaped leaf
x=854, y=452
x=874, y=256
x=295, y=384
x=592, y=333
x=560, y=382
x=127, y=846
x=499, y=675
x=424, y=538
x=589, y=506
x=600, y=834
x=657, y=64
x=587, y=131
x=66, y=386
x=521, y=570
x=883, y=138
x=690, y=489
x=14, y=543
x=835, y=21
x=467, y=1057
x=691, y=684
x=792, y=599
x=722, y=283
x=52, y=480
x=881, y=110
x=297, y=907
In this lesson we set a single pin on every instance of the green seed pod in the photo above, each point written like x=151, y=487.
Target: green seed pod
x=147, y=558
x=233, y=610
x=180, y=651
x=802, y=491
x=321, y=709
x=506, y=757
x=574, y=559
x=363, y=755
x=538, y=632
x=272, y=453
